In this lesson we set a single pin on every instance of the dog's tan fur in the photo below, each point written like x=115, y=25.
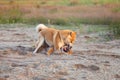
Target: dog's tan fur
x=55, y=39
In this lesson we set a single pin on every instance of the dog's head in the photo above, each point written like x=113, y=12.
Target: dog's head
x=66, y=47
x=69, y=37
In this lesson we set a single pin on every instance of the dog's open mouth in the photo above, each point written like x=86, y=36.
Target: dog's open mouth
x=66, y=47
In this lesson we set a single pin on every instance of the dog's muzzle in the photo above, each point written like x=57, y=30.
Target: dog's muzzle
x=66, y=47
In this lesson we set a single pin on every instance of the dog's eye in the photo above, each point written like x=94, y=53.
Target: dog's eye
x=70, y=47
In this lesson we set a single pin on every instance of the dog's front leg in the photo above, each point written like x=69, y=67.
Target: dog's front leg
x=70, y=52
x=41, y=41
x=37, y=42
x=61, y=49
x=51, y=50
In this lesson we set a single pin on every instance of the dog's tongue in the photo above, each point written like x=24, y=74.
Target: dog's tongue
x=64, y=48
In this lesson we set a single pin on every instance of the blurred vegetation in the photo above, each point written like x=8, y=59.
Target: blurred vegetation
x=23, y=11
x=14, y=11
x=114, y=31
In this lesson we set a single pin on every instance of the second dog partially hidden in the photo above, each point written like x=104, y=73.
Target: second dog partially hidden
x=61, y=40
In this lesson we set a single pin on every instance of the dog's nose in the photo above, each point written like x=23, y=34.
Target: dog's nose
x=70, y=47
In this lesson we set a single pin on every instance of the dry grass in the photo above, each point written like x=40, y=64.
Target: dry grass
x=60, y=12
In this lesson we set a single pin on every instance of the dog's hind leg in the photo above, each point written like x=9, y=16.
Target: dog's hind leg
x=41, y=41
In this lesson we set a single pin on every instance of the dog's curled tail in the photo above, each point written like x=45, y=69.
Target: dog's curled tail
x=40, y=27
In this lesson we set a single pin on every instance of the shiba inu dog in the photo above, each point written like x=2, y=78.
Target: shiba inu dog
x=55, y=39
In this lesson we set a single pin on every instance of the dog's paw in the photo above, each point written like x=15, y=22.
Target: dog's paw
x=48, y=54
x=34, y=52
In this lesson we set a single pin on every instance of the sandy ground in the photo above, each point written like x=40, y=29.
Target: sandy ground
x=90, y=60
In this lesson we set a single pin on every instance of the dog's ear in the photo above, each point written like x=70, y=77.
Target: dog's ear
x=72, y=33
x=73, y=36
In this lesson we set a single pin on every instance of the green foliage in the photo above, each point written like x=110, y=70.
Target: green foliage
x=35, y=20
x=10, y=20
x=96, y=21
x=15, y=14
x=60, y=21
x=74, y=2
x=12, y=15
x=61, y=2
x=87, y=2
x=114, y=30
x=117, y=9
